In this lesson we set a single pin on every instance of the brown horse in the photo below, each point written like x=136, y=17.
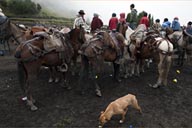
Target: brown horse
x=33, y=53
x=99, y=49
x=122, y=28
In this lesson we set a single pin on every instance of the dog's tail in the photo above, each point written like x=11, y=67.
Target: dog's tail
x=135, y=104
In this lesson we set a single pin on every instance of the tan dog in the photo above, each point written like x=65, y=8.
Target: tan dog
x=117, y=107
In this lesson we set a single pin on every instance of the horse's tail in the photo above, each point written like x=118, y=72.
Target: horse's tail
x=21, y=75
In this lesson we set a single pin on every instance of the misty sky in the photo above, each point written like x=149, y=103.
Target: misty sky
x=159, y=9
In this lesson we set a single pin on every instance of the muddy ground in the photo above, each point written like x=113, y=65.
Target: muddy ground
x=168, y=107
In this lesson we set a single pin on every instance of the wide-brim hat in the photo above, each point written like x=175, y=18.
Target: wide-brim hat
x=81, y=12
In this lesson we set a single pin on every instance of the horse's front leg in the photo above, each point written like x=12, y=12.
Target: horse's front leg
x=116, y=72
x=28, y=92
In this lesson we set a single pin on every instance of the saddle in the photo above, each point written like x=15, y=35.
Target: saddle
x=115, y=43
x=51, y=42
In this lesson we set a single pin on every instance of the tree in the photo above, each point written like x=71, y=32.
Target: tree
x=22, y=7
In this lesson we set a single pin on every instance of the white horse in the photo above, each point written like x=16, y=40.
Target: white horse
x=181, y=42
x=160, y=49
x=134, y=39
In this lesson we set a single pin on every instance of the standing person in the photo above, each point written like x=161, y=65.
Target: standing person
x=144, y=20
x=80, y=21
x=132, y=17
x=166, y=23
x=96, y=23
x=156, y=26
x=175, y=24
x=113, y=23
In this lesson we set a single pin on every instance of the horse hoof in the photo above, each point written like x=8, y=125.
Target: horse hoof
x=56, y=80
x=50, y=80
x=154, y=86
x=69, y=88
x=118, y=80
x=33, y=108
x=121, y=121
x=98, y=93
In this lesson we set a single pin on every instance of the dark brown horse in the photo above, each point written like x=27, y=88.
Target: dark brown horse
x=33, y=53
x=99, y=49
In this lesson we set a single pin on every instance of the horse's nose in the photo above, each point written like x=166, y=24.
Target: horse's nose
x=18, y=54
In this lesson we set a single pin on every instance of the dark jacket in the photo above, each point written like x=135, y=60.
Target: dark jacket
x=96, y=23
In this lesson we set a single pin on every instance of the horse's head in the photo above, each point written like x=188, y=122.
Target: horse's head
x=77, y=35
x=122, y=27
x=5, y=30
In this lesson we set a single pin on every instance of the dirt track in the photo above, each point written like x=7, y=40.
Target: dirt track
x=169, y=107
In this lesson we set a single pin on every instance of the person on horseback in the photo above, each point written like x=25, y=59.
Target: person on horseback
x=80, y=21
x=113, y=23
x=176, y=25
x=189, y=28
x=144, y=20
x=96, y=23
x=122, y=18
x=132, y=17
x=166, y=24
x=157, y=26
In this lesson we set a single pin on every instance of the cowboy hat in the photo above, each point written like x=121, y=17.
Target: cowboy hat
x=81, y=12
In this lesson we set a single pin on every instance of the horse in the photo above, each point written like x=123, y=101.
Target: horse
x=180, y=43
x=101, y=48
x=42, y=50
x=122, y=27
x=9, y=30
x=134, y=37
x=161, y=50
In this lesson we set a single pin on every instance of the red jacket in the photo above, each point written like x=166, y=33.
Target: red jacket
x=96, y=23
x=144, y=20
x=122, y=18
x=113, y=23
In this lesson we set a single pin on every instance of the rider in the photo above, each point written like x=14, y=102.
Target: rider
x=113, y=23
x=166, y=24
x=96, y=23
x=144, y=20
x=189, y=28
x=80, y=21
x=175, y=24
x=132, y=17
x=157, y=26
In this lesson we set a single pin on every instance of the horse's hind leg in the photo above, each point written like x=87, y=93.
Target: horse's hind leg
x=116, y=72
x=160, y=71
x=166, y=69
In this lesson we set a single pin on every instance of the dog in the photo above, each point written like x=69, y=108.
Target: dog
x=119, y=107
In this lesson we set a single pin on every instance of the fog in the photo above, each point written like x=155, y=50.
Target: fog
x=159, y=9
